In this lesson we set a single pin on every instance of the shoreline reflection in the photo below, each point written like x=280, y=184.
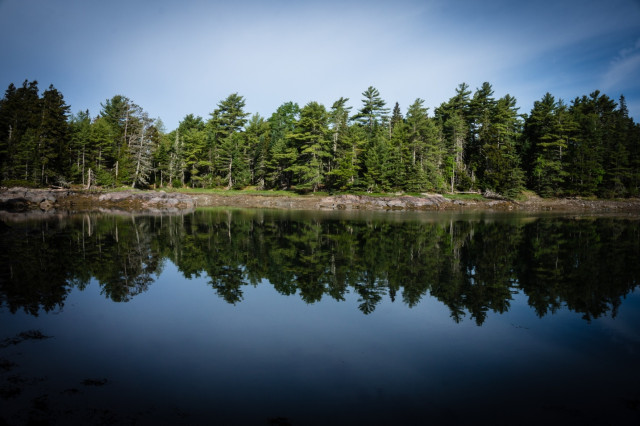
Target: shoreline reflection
x=474, y=265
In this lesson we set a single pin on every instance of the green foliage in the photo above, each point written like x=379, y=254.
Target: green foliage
x=34, y=135
x=473, y=196
x=18, y=182
x=501, y=169
x=547, y=133
x=372, y=112
x=474, y=142
x=312, y=147
x=281, y=154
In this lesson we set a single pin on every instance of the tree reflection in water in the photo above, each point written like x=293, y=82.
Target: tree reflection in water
x=473, y=266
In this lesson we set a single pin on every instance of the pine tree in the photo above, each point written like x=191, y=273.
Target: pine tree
x=547, y=133
x=396, y=118
x=501, y=169
x=20, y=111
x=281, y=154
x=190, y=155
x=345, y=174
x=101, y=152
x=257, y=149
x=177, y=164
x=454, y=120
x=481, y=109
x=398, y=168
x=426, y=148
x=119, y=113
x=456, y=132
x=162, y=160
x=372, y=112
x=629, y=133
x=313, y=150
x=586, y=150
x=53, y=138
x=377, y=164
x=226, y=121
x=339, y=124
x=80, y=129
x=142, y=152
x=616, y=152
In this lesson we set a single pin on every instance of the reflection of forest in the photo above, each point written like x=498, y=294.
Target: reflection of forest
x=473, y=267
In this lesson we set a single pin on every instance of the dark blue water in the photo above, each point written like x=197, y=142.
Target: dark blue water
x=258, y=317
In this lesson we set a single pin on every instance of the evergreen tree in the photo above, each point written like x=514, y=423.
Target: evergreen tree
x=19, y=112
x=80, y=129
x=142, y=148
x=547, y=133
x=101, y=152
x=226, y=121
x=281, y=154
x=312, y=147
x=585, y=162
x=396, y=118
x=481, y=109
x=339, y=124
x=618, y=144
x=453, y=118
x=118, y=113
x=191, y=153
x=426, y=148
x=629, y=132
x=257, y=149
x=345, y=174
x=162, y=160
x=377, y=164
x=372, y=112
x=53, y=138
x=177, y=163
x=457, y=130
x=501, y=169
x=398, y=166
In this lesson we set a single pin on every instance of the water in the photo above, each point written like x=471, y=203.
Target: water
x=265, y=317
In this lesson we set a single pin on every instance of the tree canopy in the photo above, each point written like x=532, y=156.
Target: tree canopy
x=472, y=142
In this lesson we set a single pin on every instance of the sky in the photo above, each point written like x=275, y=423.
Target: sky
x=175, y=58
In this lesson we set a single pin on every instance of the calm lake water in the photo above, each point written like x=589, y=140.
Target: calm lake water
x=267, y=317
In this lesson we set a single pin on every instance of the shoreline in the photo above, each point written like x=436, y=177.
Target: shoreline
x=53, y=200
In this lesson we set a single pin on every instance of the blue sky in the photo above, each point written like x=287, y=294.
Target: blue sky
x=176, y=58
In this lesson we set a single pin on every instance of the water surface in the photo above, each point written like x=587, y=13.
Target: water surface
x=266, y=317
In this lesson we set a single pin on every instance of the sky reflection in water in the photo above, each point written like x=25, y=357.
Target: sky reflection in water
x=178, y=351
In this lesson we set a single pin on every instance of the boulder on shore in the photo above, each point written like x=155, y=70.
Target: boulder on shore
x=23, y=199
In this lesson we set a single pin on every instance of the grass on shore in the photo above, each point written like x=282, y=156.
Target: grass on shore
x=291, y=193
x=232, y=192
x=464, y=197
x=264, y=193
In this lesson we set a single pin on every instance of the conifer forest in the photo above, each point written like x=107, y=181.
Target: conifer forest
x=475, y=141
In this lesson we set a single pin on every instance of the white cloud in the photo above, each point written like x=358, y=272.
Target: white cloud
x=175, y=59
x=624, y=70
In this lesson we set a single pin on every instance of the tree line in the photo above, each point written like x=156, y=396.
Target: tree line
x=472, y=142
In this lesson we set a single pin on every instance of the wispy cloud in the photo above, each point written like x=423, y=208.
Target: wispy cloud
x=179, y=58
x=624, y=70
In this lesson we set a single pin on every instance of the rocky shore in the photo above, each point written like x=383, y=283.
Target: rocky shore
x=431, y=202
x=52, y=200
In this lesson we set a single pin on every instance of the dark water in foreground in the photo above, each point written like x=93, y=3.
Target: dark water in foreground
x=261, y=317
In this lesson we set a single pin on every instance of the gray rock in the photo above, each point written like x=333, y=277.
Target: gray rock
x=46, y=205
